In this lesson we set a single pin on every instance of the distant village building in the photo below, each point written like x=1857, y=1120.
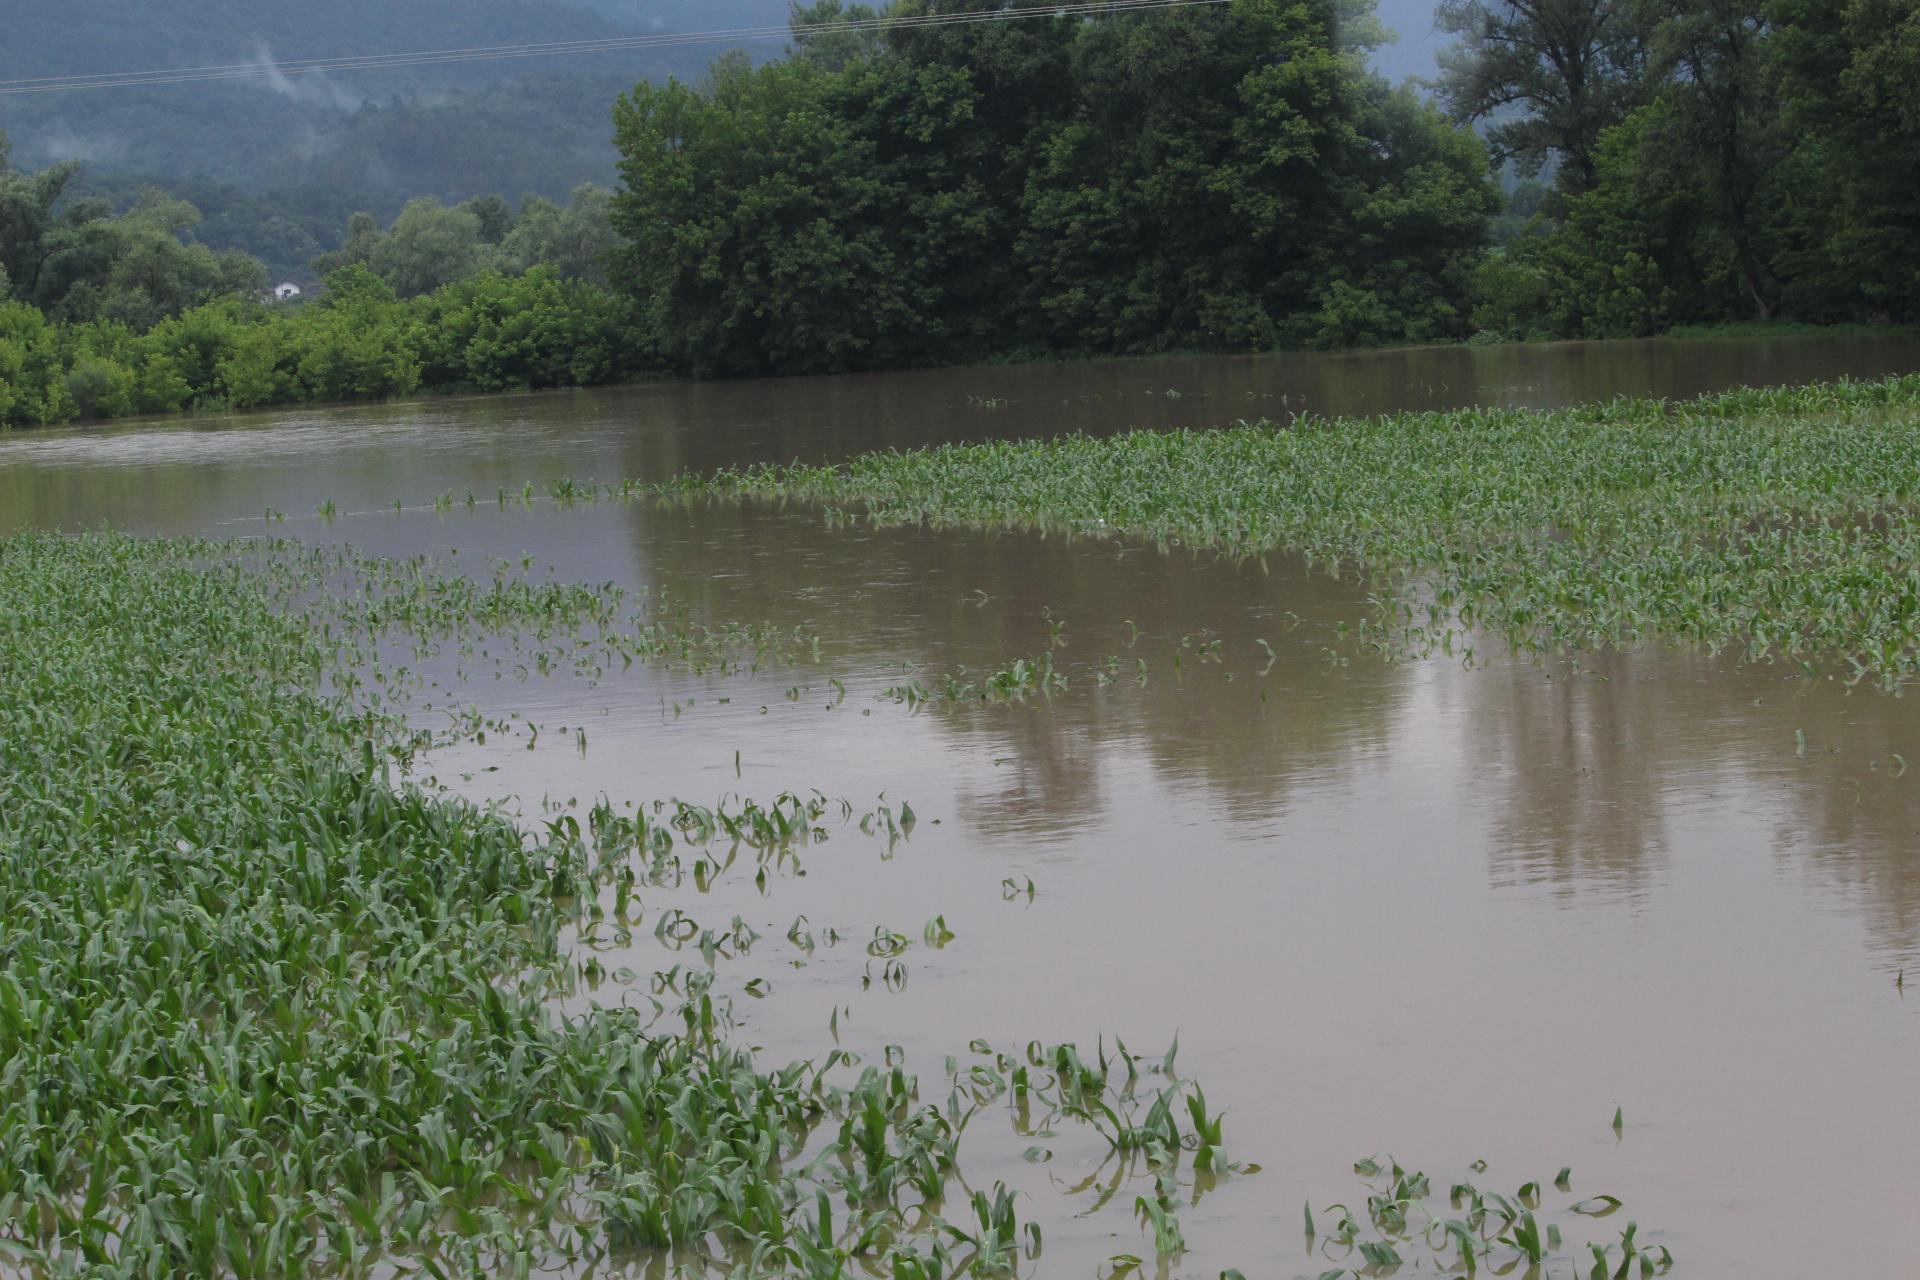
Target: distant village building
x=284, y=290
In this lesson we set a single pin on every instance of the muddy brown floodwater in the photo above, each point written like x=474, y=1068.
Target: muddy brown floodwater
x=1453, y=914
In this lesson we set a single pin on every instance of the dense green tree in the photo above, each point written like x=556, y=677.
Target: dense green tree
x=1238, y=179
x=1711, y=54
x=354, y=342
x=1625, y=259
x=33, y=368
x=77, y=261
x=27, y=213
x=1222, y=177
x=494, y=214
x=429, y=245
x=757, y=232
x=497, y=332
x=136, y=268
x=576, y=239
x=1773, y=171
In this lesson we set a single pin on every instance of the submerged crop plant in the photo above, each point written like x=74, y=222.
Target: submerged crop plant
x=268, y=1007
x=1776, y=523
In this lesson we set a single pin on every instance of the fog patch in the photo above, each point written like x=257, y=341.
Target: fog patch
x=59, y=143
x=312, y=87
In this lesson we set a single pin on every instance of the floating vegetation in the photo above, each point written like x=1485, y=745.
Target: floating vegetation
x=1777, y=523
x=267, y=1008
x=1472, y=1228
x=1014, y=682
x=368, y=612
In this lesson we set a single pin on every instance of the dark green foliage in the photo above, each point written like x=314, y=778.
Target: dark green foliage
x=1849, y=87
x=491, y=332
x=283, y=235
x=115, y=315
x=1765, y=164
x=76, y=260
x=503, y=333
x=430, y=245
x=1223, y=178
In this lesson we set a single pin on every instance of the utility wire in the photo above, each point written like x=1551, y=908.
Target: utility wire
x=375, y=62
x=260, y=68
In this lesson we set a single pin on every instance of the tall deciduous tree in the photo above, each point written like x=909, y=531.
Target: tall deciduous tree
x=27, y=203
x=1711, y=57
x=1549, y=76
x=760, y=231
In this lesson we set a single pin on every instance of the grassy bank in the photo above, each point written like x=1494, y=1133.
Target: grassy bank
x=268, y=1009
x=1778, y=523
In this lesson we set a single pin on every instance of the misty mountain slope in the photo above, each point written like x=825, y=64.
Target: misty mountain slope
x=278, y=128
x=60, y=37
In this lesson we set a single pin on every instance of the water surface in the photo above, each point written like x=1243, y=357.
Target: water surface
x=1450, y=913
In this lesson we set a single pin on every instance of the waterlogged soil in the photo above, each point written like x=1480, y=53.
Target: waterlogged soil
x=1455, y=913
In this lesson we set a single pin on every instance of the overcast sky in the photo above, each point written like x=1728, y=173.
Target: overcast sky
x=1412, y=54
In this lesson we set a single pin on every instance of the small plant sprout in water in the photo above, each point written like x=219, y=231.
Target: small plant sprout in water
x=1056, y=629
x=1404, y=1222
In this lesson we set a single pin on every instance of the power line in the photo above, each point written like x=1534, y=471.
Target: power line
x=264, y=69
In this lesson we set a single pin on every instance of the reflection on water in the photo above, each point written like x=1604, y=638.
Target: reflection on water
x=1452, y=913
x=162, y=475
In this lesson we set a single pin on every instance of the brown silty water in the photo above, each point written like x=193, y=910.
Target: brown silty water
x=1453, y=913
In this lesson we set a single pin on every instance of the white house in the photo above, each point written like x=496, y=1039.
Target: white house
x=284, y=290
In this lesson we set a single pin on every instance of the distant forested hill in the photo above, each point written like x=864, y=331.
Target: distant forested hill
x=48, y=37
x=316, y=148
x=542, y=135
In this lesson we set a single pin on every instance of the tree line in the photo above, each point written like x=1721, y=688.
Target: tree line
x=1226, y=177
x=105, y=314
x=1235, y=178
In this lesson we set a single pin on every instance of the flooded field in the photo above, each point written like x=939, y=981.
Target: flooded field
x=1646, y=916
